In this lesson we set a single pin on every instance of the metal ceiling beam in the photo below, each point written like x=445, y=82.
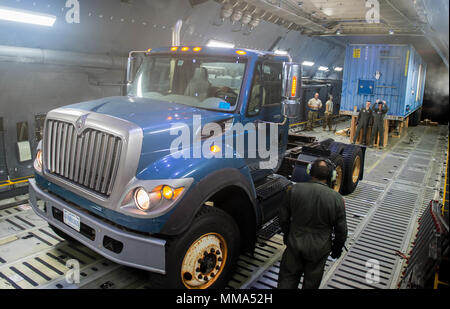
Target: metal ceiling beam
x=57, y=57
x=294, y=16
x=408, y=19
x=384, y=23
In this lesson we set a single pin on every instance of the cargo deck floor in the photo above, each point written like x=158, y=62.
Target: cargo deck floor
x=382, y=213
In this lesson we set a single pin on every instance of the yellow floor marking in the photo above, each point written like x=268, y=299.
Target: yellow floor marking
x=8, y=240
x=370, y=169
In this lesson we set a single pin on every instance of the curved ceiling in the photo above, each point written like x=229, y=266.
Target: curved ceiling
x=423, y=23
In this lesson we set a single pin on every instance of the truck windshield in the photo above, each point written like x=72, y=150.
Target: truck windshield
x=200, y=81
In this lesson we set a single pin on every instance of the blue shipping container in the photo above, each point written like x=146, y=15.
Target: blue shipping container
x=393, y=73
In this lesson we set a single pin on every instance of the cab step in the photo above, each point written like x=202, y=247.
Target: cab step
x=272, y=185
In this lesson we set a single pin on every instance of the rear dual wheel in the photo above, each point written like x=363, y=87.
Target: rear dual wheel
x=339, y=163
x=352, y=168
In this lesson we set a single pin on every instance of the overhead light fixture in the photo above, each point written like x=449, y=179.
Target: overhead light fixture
x=338, y=69
x=281, y=52
x=323, y=69
x=308, y=63
x=215, y=43
x=27, y=17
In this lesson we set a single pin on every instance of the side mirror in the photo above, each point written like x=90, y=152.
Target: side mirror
x=292, y=81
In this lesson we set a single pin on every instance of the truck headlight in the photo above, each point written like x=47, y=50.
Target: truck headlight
x=146, y=201
x=38, y=161
x=153, y=198
x=142, y=199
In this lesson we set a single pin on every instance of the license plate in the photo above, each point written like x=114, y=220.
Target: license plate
x=72, y=220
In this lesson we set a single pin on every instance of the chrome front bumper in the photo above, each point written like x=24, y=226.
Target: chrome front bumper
x=138, y=251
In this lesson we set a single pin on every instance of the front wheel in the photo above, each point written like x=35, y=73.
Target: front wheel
x=205, y=256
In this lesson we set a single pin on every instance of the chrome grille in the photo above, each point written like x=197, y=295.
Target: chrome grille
x=90, y=159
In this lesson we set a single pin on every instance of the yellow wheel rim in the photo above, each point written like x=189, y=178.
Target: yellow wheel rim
x=204, y=261
x=356, y=169
x=338, y=182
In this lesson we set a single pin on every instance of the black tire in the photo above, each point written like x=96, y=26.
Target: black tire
x=353, y=165
x=338, y=161
x=210, y=222
x=62, y=234
x=327, y=143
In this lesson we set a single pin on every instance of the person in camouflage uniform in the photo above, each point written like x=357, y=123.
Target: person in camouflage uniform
x=364, y=119
x=313, y=106
x=328, y=121
x=379, y=111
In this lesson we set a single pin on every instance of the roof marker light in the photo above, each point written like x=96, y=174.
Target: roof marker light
x=185, y=49
x=241, y=52
x=197, y=49
x=174, y=48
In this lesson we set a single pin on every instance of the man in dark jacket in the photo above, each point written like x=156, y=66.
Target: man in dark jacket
x=311, y=214
x=380, y=109
x=364, y=118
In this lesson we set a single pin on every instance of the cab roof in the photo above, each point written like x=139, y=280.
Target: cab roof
x=206, y=50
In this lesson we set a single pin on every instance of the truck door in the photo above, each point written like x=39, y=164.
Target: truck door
x=264, y=105
x=271, y=111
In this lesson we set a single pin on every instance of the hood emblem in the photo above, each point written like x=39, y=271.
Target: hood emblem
x=80, y=123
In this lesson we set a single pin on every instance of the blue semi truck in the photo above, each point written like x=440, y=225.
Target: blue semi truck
x=156, y=179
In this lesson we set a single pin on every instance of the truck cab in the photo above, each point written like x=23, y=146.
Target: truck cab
x=177, y=176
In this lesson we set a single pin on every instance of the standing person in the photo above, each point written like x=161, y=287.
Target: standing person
x=313, y=105
x=312, y=212
x=364, y=118
x=380, y=109
x=329, y=114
